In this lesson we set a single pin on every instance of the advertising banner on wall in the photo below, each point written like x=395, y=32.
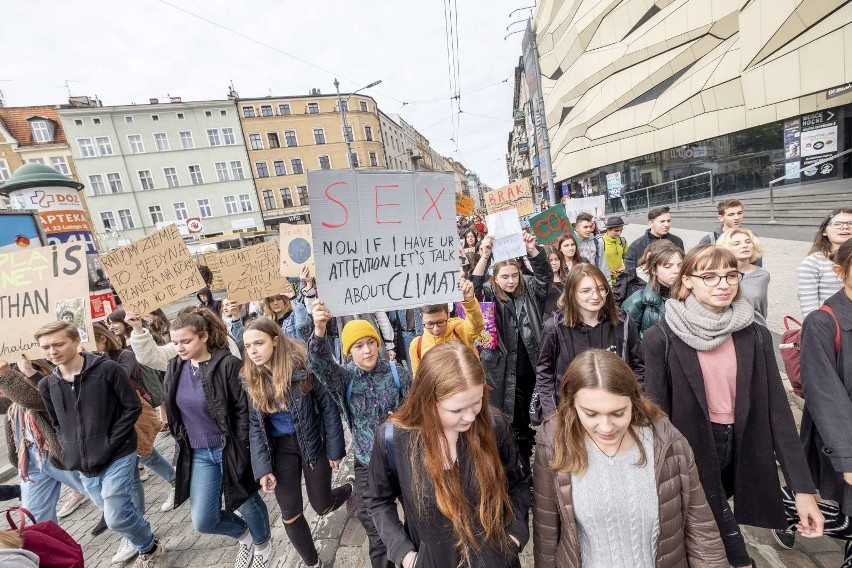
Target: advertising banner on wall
x=792, y=148
x=613, y=184
x=62, y=214
x=818, y=142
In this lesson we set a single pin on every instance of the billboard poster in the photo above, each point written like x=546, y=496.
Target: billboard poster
x=818, y=142
x=792, y=148
x=20, y=230
x=62, y=214
x=613, y=184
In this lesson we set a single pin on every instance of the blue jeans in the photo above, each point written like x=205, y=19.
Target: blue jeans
x=40, y=494
x=159, y=465
x=113, y=493
x=205, y=498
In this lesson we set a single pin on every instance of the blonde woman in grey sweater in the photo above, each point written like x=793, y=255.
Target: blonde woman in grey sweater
x=817, y=280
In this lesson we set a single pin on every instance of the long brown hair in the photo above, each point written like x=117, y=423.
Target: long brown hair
x=821, y=242
x=288, y=306
x=445, y=370
x=203, y=320
x=268, y=389
x=562, y=273
x=699, y=259
x=596, y=369
x=160, y=322
x=113, y=341
x=657, y=254
x=576, y=259
x=567, y=301
x=842, y=257
x=498, y=291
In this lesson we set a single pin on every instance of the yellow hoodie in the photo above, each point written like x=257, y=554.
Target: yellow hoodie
x=464, y=330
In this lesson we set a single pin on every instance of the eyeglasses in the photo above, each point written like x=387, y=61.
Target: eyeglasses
x=589, y=292
x=840, y=224
x=711, y=280
x=431, y=324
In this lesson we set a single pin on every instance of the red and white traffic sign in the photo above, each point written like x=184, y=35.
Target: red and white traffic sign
x=193, y=225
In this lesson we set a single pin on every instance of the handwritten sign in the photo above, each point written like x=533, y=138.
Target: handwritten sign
x=516, y=195
x=152, y=272
x=297, y=249
x=550, y=224
x=505, y=228
x=464, y=204
x=252, y=273
x=594, y=206
x=383, y=240
x=39, y=286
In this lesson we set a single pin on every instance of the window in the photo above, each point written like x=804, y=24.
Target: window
x=248, y=112
x=344, y=106
x=286, y=197
x=4, y=171
x=265, y=110
x=347, y=134
x=273, y=139
x=284, y=109
x=186, y=141
x=223, y=113
x=180, y=210
x=155, y=117
x=280, y=169
x=87, y=149
x=374, y=161
x=213, y=137
x=302, y=190
x=136, y=144
x=156, y=214
x=162, y=141
x=104, y=145
x=204, y=208
x=96, y=182
x=146, y=180
x=108, y=219
x=115, y=185
x=231, y=202
x=368, y=133
x=237, y=170
x=128, y=119
x=35, y=161
x=195, y=175
x=96, y=121
x=245, y=202
x=208, y=113
x=221, y=171
x=78, y=122
x=363, y=106
x=324, y=163
x=313, y=108
x=228, y=136
x=171, y=177
x=353, y=160
x=319, y=136
x=126, y=218
x=290, y=138
x=41, y=132
x=268, y=199
x=262, y=169
x=60, y=164
x=297, y=166
x=180, y=116
x=256, y=142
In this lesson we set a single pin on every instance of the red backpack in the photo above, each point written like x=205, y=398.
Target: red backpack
x=790, y=342
x=54, y=547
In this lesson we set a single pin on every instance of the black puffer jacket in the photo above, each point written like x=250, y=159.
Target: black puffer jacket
x=500, y=364
x=228, y=406
x=317, y=421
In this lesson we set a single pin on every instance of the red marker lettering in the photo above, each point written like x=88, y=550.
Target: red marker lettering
x=388, y=204
x=434, y=201
x=345, y=210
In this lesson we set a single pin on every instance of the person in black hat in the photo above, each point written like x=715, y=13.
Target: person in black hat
x=614, y=246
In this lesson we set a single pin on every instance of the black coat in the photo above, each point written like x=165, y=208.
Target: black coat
x=228, y=405
x=827, y=381
x=317, y=421
x=637, y=247
x=764, y=429
x=431, y=534
x=500, y=364
x=558, y=350
x=94, y=418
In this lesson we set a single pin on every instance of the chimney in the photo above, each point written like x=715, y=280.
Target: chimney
x=232, y=94
x=153, y=101
x=314, y=91
x=174, y=99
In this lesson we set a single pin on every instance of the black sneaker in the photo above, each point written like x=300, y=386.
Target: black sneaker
x=100, y=527
x=785, y=539
x=352, y=501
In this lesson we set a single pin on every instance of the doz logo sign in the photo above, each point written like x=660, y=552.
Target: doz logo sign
x=46, y=200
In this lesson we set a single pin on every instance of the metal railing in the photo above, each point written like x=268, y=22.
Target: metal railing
x=797, y=171
x=688, y=188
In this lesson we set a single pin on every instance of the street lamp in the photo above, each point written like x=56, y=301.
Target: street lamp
x=343, y=115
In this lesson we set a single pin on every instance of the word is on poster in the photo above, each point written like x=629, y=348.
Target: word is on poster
x=297, y=249
x=252, y=273
x=517, y=195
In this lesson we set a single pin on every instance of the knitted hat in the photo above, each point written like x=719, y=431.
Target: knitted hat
x=355, y=330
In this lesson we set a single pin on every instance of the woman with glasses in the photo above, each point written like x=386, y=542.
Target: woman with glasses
x=587, y=319
x=817, y=280
x=518, y=306
x=714, y=373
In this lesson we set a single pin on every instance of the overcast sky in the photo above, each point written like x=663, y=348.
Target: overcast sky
x=130, y=51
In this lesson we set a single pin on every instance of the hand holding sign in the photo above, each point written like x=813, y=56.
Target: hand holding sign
x=466, y=287
x=487, y=246
x=530, y=243
x=321, y=317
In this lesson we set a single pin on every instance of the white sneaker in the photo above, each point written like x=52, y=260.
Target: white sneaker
x=143, y=473
x=126, y=551
x=72, y=502
x=169, y=503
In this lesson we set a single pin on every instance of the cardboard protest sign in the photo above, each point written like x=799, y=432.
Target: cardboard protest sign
x=39, y=286
x=297, y=249
x=594, y=206
x=505, y=228
x=252, y=273
x=464, y=204
x=517, y=195
x=153, y=271
x=550, y=224
x=383, y=240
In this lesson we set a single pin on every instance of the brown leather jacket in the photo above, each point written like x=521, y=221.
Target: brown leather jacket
x=689, y=537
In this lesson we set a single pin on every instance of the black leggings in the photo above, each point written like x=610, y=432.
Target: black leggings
x=288, y=469
x=732, y=537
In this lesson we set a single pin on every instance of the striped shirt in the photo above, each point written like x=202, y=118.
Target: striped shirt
x=817, y=282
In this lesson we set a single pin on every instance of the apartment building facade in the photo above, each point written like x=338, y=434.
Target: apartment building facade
x=397, y=149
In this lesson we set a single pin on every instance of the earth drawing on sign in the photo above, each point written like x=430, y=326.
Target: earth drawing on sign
x=299, y=250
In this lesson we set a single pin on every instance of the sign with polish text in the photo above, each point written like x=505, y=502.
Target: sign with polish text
x=505, y=228
x=464, y=204
x=252, y=273
x=517, y=195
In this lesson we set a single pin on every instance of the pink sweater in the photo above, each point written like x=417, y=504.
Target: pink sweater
x=719, y=368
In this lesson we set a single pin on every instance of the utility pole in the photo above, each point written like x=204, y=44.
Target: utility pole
x=343, y=109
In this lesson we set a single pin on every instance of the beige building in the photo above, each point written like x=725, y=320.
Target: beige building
x=287, y=136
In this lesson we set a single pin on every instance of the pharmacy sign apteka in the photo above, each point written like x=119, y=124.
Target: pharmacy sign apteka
x=383, y=240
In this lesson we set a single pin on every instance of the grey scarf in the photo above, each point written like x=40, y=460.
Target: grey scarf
x=702, y=329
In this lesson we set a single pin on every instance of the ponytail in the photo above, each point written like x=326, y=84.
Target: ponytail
x=204, y=320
